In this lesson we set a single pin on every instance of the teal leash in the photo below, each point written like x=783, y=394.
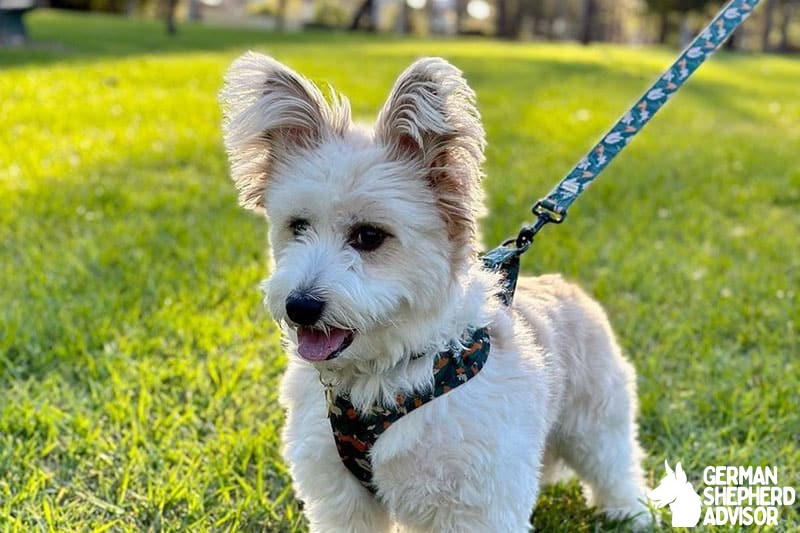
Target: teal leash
x=553, y=207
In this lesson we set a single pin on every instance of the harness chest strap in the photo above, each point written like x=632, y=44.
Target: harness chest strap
x=355, y=433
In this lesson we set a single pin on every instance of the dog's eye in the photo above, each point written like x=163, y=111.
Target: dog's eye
x=298, y=226
x=366, y=238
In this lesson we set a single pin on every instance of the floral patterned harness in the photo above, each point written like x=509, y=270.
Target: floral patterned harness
x=355, y=433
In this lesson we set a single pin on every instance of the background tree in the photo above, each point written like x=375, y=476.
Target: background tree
x=790, y=7
x=404, y=16
x=365, y=10
x=461, y=15
x=772, y=27
x=665, y=8
x=501, y=16
x=661, y=8
x=195, y=11
x=169, y=7
x=518, y=15
x=588, y=15
x=769, y=17
x=280, y=18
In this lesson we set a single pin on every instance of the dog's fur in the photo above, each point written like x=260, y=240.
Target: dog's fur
x=555, y=387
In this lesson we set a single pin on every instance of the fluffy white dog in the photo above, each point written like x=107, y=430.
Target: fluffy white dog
x=374, y=241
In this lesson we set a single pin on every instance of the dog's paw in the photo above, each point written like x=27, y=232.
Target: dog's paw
x=638, y=517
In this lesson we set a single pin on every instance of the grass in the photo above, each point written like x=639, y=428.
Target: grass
x=138, y=371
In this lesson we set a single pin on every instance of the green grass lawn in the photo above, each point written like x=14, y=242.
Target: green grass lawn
x=138, y=370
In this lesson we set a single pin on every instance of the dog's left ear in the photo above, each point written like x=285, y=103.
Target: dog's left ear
x=431, y=118
x=271, y=113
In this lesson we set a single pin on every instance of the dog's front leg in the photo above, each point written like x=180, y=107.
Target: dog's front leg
x=472, y=483
x=469, y=508
x=334, y=501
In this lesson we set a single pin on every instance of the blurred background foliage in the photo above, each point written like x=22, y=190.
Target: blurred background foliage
x=620, y=21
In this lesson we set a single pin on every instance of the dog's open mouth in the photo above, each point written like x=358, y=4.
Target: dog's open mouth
x=317, y=345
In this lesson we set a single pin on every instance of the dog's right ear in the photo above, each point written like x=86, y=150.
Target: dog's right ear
x=269, y=113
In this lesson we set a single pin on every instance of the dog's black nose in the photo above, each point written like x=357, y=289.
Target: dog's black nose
x=304, y=309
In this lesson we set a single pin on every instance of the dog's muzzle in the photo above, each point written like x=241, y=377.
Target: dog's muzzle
x=304, y=309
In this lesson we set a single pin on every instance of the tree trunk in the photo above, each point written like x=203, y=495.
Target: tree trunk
x=131, y=6
x=404, y=18
x=769, y=17
x=280, y=19
x=307, y=13
x=364, y=10
x=514, y=26
x=587, y=20
x=550, y=24
x=172, y=27
x=686, y=30
x=195, y=10
x=501, y=27
x=789, y=9
x=733, y=41
x=614, y=30
x=374, y=17
x=663, y=27
x=461, y=15
x=430, y=17
x=560, y=20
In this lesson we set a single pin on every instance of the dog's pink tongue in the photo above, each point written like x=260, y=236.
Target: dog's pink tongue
x=314, y=345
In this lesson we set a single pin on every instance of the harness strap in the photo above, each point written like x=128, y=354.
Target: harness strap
x=355, y=433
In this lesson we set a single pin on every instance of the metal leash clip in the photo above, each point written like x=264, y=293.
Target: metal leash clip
x=545, y=213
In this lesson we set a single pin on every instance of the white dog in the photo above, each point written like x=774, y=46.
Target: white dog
x=374, y=242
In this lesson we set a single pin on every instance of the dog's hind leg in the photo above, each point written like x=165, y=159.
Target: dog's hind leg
x=597, y=438
x=595, y=427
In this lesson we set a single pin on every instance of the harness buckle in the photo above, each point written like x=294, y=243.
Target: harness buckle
x=548, y=210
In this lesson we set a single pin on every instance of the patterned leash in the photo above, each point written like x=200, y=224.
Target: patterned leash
x=553, y=207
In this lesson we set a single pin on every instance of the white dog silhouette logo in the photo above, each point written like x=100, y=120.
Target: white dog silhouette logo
x=680, y=495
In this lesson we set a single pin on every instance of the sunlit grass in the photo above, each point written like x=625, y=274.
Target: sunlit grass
x=138, y=372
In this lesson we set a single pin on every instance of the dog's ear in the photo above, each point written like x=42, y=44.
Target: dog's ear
x=269, y=113
x=431, y=117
